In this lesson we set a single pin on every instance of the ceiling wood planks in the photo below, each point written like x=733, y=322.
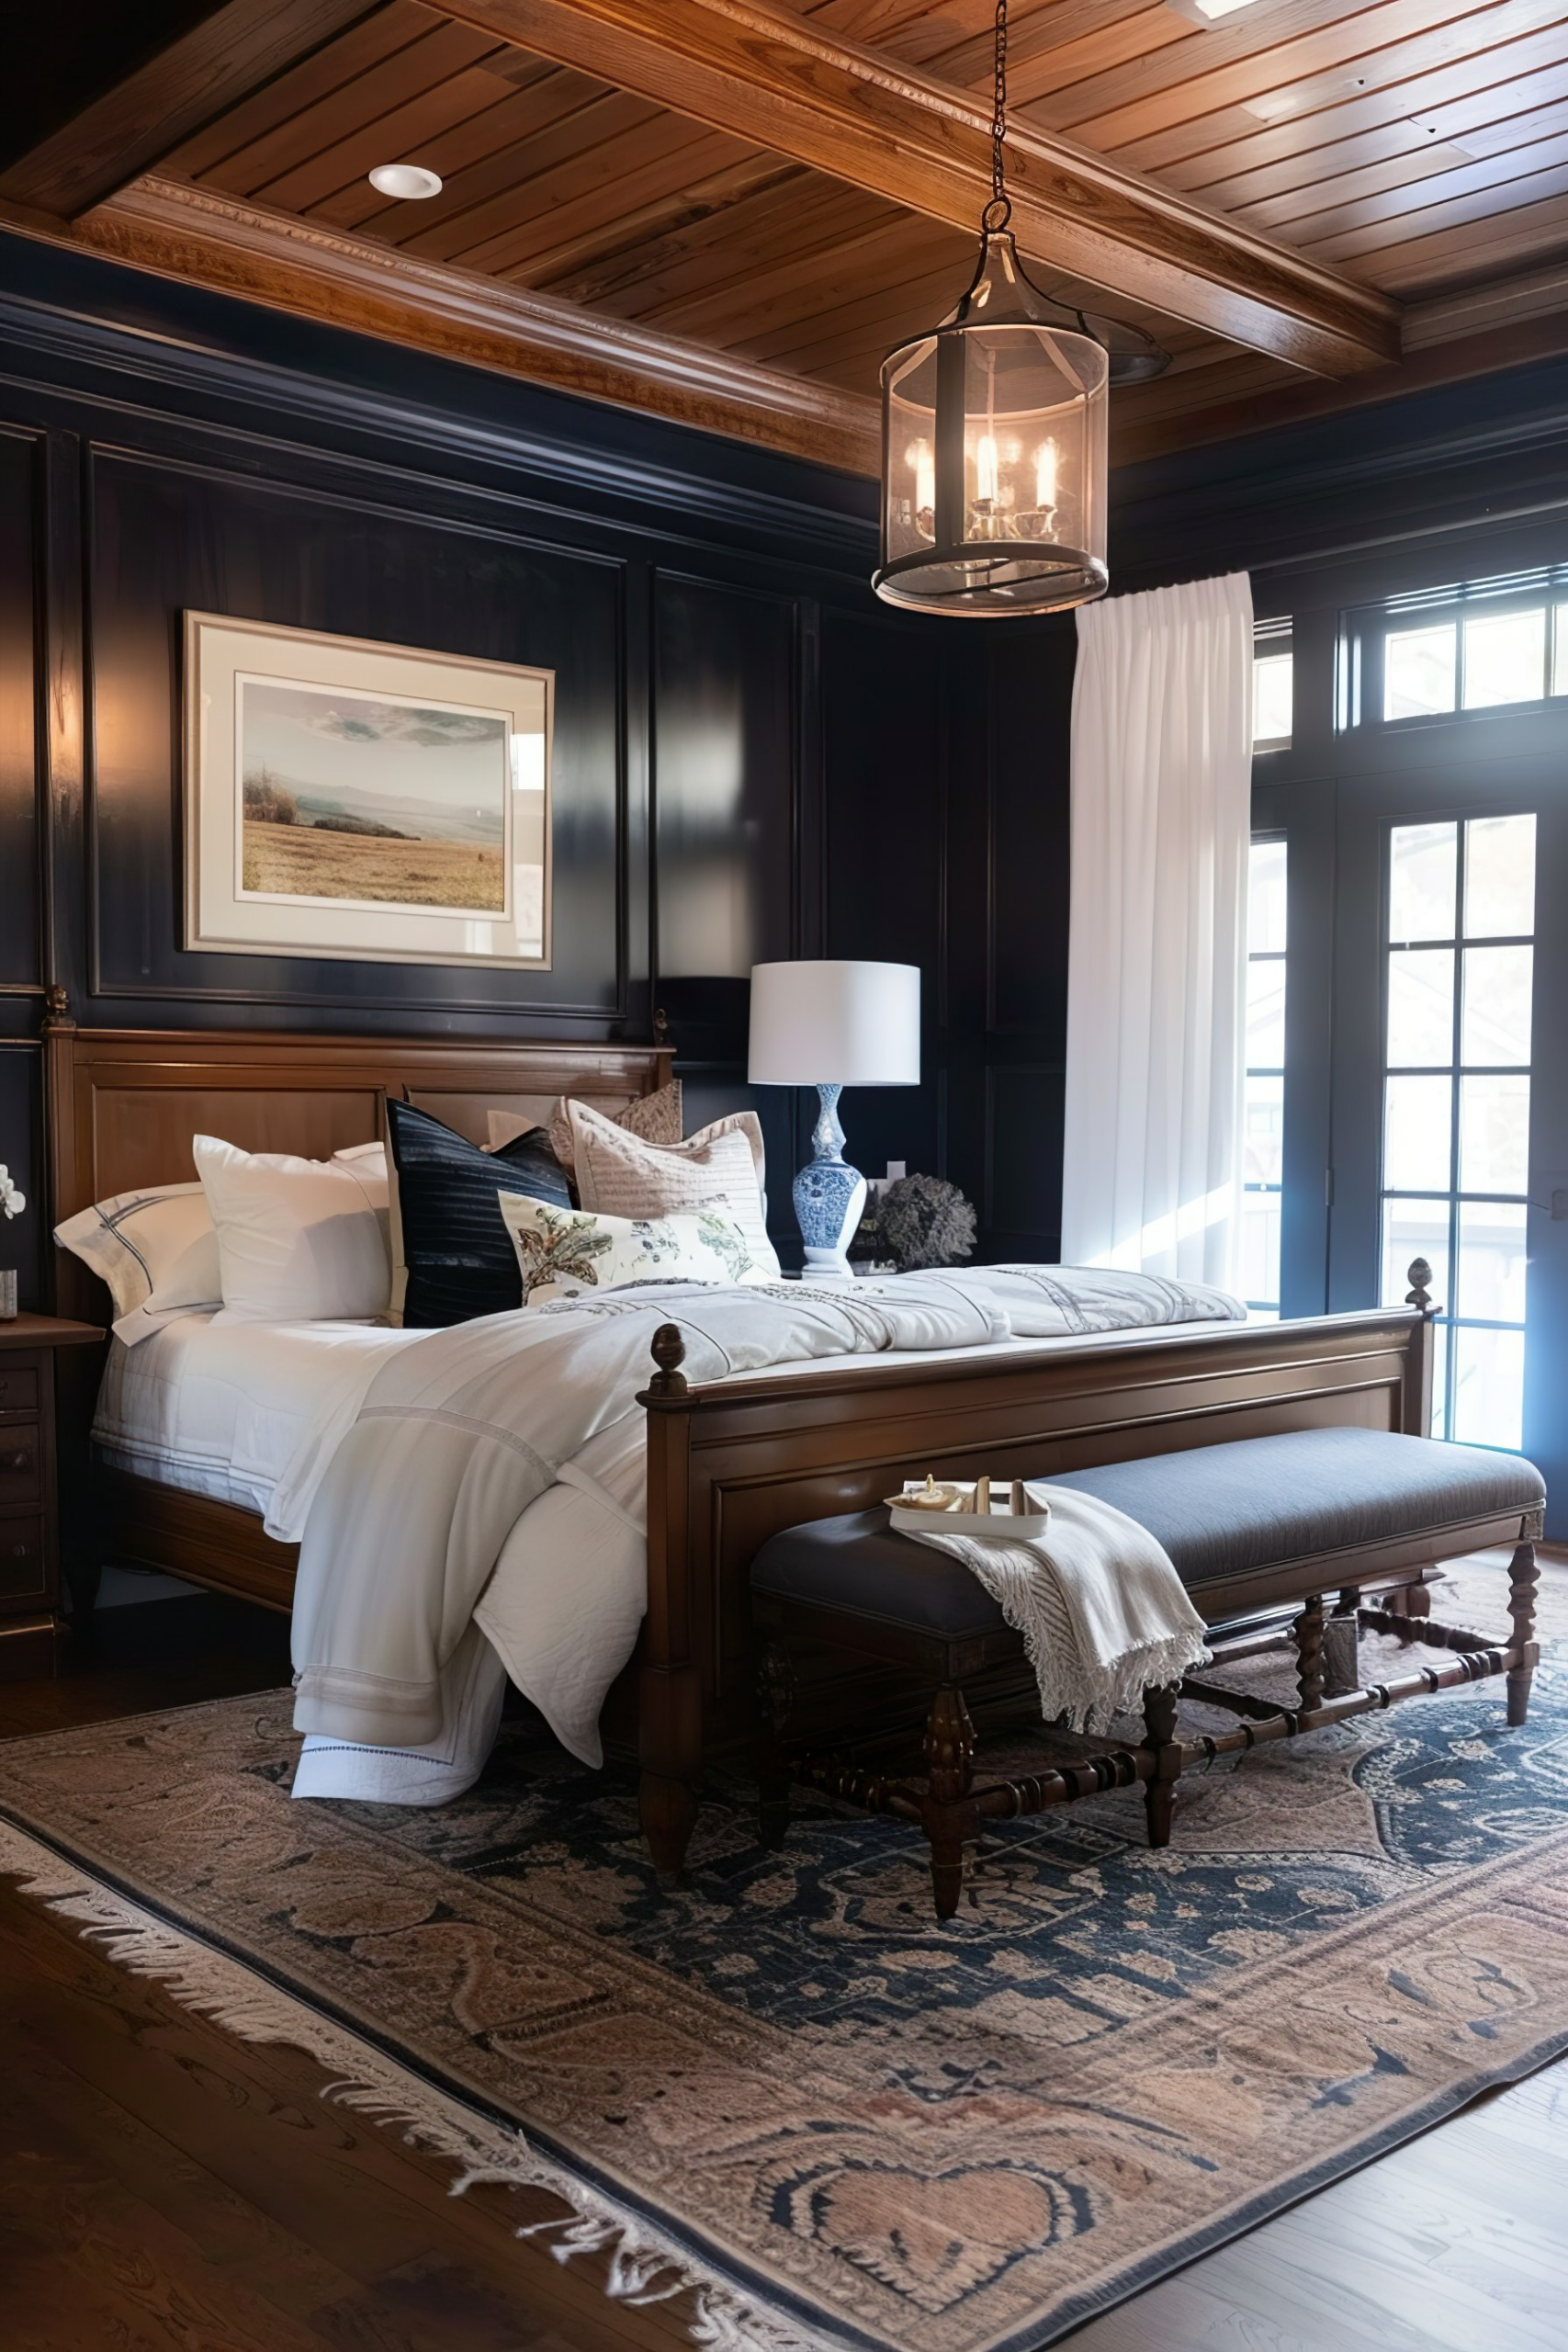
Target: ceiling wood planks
x=748, y=202
x=763, y=73
x=144, y=117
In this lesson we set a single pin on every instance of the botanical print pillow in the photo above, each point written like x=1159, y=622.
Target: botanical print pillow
x=563, y=1253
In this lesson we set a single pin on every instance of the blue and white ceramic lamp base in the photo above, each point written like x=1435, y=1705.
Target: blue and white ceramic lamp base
x=829, y=1196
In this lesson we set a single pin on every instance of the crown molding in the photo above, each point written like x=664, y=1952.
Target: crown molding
x=207, y=239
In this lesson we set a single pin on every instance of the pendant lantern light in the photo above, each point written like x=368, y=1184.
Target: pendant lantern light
x=993, y=435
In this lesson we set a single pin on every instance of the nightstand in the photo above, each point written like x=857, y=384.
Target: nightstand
x=31, y=1629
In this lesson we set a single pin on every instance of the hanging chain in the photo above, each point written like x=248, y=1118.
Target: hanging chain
x=999, y=122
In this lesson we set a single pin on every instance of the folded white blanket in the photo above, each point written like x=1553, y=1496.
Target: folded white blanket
x=1102, y=1612
x=405, y=1519
x=460, y=1433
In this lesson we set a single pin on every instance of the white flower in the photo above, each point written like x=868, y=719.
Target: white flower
x=12, y=1202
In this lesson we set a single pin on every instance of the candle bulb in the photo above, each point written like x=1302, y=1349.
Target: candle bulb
x=986, y=467
x=924, y=465
x=1045, y=474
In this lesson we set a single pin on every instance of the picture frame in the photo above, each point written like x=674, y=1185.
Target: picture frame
x=356, y=801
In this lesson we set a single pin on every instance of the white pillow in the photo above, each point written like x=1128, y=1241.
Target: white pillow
x=157, y=1249
x=568, y=1253
x=299, y=1240
x=622, y=1175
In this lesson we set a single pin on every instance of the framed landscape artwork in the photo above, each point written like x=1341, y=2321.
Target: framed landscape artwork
x=355, y=801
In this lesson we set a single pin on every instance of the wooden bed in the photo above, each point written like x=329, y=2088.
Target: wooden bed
x=729, y=1464
x=123, y=1106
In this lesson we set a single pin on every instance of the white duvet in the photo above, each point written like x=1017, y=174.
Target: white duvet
x=552, y=1586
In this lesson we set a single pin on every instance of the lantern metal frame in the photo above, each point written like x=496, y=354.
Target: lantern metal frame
x=1015, y=572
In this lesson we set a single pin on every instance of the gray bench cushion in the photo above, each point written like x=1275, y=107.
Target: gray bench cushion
x=1220, y=1510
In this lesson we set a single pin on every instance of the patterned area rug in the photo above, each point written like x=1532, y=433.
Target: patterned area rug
x=785, y=2083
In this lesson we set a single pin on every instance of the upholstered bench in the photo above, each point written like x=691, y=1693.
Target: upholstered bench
x=1250, y=1527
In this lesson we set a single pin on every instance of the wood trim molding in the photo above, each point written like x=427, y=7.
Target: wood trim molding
x=219, y=60
x=754, y=69
x=198, y=235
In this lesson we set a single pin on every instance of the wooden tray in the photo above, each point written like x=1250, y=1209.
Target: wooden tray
x=999, y=1525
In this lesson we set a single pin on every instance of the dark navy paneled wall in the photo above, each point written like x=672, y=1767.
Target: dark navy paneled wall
x=752, y=758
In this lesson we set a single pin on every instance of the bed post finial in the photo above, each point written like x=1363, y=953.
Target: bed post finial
x=668, y=1355
x=1419, y=1275
x=56, y=1009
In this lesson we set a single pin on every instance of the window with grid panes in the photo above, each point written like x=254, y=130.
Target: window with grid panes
x=1263, y=1101
x=1459, y=966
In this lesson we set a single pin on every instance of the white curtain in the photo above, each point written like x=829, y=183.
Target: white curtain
x=1161, y=783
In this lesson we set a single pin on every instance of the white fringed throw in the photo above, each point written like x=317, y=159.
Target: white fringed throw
x=1102, y=1610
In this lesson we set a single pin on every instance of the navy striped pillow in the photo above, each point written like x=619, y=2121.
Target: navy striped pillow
x=459, y=1254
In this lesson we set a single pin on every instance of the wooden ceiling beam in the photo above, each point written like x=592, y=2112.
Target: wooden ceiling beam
x=753, y=69
x=210, y=68
x=231, y=246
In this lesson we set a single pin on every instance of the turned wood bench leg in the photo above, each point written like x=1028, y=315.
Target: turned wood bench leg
x=1159, y=1738
x=950, y=1757
x=1342, y=1667
x=775, y=1702
x=1523, y=1577
x=1309, y=1654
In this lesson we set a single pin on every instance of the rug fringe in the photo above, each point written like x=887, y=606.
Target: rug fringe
x=645, y=2264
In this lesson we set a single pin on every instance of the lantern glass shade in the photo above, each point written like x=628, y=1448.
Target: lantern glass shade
x=994, y=457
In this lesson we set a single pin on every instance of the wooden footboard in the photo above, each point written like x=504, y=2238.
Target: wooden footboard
x=730, y=1464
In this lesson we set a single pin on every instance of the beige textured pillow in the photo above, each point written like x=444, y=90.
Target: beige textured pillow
x=655, y=1117
x=624, y=1176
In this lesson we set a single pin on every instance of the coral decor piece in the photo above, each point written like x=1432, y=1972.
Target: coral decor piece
x=924, y=1221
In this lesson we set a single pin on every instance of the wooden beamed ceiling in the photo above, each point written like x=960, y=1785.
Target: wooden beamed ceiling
x=728, y=210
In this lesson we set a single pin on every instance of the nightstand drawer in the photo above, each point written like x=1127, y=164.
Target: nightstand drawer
x=21, y=1458
x=18, y=1388
x=23, y=1571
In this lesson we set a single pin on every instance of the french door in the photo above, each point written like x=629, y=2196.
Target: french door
x=1447, y=1101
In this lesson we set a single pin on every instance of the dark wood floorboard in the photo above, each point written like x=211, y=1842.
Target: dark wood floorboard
x=164, y=2185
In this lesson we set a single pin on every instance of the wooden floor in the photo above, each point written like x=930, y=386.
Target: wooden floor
x=163, y=2185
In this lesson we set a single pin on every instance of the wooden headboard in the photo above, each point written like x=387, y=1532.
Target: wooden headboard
x=124, y=1103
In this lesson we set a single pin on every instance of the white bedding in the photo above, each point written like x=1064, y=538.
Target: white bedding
x=254, y=1414
x=224, y=1409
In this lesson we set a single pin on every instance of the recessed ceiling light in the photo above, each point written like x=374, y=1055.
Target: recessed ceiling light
x=410, y=181
x=1213, y=8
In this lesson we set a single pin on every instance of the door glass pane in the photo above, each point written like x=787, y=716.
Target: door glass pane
x=1423, y=882
x=1265, y=1013
x=1489, y=1387
x=1261, y=1251
x=1491, y=1261
x=1421, y=1008
x=1263, y=1146
x=1494, y=1133
x=1414, y=1230
x=1266, y=900
x=1498, y=983
x=1418, y=672
x=1499, y=877
x=1417, y=1139
x=1271, y=700
x=1440, y=1339
x=1504, y=658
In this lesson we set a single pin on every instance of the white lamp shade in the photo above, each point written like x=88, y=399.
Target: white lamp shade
x=835, y=1024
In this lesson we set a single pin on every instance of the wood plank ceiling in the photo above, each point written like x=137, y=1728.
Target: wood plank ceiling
x=1419, y=148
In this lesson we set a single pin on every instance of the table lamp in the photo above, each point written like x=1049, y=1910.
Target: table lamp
x=830, y=1025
